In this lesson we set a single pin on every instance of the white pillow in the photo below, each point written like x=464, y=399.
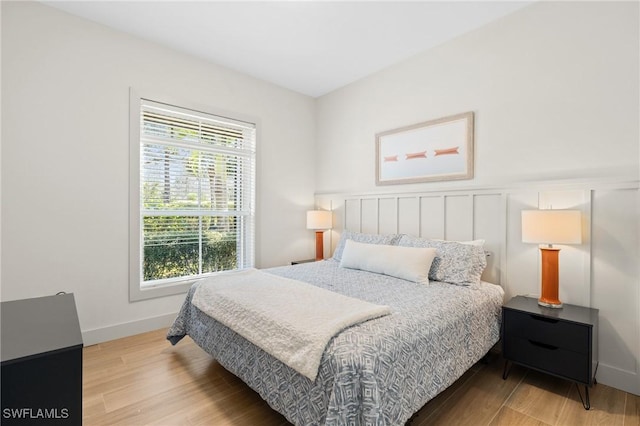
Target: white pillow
x=408, y=263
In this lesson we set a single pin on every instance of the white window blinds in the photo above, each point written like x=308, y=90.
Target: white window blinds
x=197, y=192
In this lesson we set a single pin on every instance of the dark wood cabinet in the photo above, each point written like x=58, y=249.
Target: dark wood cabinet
x=41, y=362
x=562, y=342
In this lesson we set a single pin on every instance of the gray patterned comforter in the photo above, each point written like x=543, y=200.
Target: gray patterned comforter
x=378, y=372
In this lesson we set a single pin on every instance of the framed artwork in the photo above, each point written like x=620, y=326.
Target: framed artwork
x=436, y=150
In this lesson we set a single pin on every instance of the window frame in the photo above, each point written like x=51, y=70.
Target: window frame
x=165, y=287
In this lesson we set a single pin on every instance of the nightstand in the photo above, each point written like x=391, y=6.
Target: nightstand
x=41, y=361
x=295, y=262
x=562, y=342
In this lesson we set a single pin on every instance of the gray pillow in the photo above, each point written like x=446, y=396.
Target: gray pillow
x=455, y=262
x=358, y=237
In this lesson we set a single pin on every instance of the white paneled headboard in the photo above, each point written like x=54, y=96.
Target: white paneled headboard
x=457, y=216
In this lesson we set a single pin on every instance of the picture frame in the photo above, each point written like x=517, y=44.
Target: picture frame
x=435, y=150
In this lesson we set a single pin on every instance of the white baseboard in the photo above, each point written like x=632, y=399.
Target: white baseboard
x=104, y=334
x=627, y=381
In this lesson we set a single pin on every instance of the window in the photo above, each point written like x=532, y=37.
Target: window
x=192, y=196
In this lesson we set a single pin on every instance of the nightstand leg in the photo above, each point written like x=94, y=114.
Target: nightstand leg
x=505, y=371
x=585, y=402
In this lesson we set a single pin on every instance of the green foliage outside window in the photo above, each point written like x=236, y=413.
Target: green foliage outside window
x=172, y=253
x=174, y=245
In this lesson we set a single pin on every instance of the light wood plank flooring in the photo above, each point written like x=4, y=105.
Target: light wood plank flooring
x=143, y=380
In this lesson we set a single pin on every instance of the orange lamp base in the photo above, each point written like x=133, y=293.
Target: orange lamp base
x=319, y=247
x=550, y=278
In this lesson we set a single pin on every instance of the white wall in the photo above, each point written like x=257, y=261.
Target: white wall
x=555, y=91
x=65, y=147
x=554, y=88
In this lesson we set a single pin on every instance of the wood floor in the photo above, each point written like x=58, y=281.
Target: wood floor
x=142, y=380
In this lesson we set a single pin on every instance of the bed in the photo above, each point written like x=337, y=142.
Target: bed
x=380, y=371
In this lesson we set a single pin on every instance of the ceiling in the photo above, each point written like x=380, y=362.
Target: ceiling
x=311, y=47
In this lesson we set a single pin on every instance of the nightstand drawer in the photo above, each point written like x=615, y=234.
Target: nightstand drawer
x=549, y=358
x=549, y=331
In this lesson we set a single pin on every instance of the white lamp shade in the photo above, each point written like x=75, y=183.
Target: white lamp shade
x=552, y=226
x=319, y=219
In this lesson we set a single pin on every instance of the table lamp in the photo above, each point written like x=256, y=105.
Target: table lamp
x=551, y=227
x=320, y=221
